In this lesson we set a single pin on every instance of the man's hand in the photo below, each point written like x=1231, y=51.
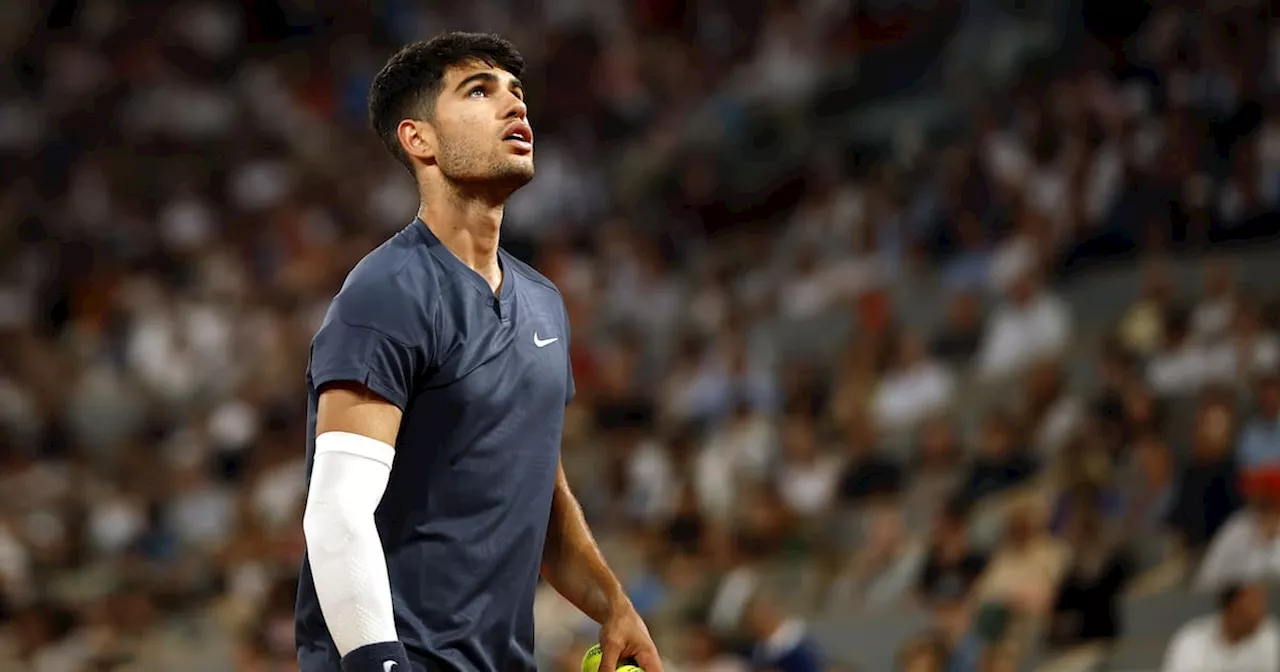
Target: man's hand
x=573, y=564
x=624, y=635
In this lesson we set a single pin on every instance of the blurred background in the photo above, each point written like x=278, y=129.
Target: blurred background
x=908, y=334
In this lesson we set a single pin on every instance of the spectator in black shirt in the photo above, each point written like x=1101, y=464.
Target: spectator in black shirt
x=685, y=529
x=867, y=474
x=1086, y=608
x=961, y=334
x=1209, y=490
x=1002, y=462
x=951, y=566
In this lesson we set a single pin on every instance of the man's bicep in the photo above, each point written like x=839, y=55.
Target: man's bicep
x=348, y=406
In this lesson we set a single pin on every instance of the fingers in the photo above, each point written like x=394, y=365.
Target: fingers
x=649, y=660
x=610, y=649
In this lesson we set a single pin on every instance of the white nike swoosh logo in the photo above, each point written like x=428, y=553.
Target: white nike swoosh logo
x=388, y=665
x=538, y=342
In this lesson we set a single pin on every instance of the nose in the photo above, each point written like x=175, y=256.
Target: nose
x=517, y=110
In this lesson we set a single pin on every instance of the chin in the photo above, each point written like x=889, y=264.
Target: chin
x=517, y=173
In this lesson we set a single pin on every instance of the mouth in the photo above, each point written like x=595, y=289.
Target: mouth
x=520, y=137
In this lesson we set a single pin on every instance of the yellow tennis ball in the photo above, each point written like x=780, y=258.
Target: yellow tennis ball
x=591, y=662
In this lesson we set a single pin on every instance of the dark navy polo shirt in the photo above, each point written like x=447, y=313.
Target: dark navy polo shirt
x=483, y=382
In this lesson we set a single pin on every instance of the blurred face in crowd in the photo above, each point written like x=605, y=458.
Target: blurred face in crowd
x=1177, y=329
x=799, y=444
x=1269, y=398
x=1247, y=322
x=997, y=438
x=923, y=658
x=1213, y=431
x=1153, y=462
x=762, y=618
x=937, y=444
x=859, y=439
x=1156, y=285
x=700, y=645
x=1117, y=368
x=1139, y=407
x=1024, y=289
x=911, y=351
x=1021, y=527
x=1267, y=509
x=963, y=312
x=1245, y=613
x=1085, y=526
x=885, y=527
x=1044, y=382
x=950, y=536
x=999, y=659
x=480, y=130
x=1218, y=279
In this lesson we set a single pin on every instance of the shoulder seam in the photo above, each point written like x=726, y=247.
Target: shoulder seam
x=404, y=263
x=435, y=306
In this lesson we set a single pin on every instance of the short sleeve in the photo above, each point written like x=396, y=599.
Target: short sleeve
x=378, y=332
x=341, y=352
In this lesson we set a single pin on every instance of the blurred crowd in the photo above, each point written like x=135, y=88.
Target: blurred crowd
x=767, y=428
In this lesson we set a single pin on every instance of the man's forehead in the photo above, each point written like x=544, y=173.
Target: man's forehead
x=460, y=71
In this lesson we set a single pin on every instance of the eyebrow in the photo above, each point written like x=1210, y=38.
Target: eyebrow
x=487, y=77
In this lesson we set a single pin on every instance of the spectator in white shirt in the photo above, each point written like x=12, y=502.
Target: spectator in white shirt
x=741, y=451
x=1249, y=349
x=1247, y=548
x=916, y=388
x=1053, y=415
x=1239, y=638
x=807, y=292
x=1033, y=324
x=807, y=478
x=1213, y=315
x=1183, y=365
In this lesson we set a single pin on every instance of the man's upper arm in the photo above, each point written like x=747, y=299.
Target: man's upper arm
x=350, y=407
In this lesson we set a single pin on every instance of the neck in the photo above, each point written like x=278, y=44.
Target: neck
x=468, y=224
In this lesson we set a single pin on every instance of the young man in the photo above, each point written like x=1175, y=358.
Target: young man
x=1240, y=637
x=437, y=386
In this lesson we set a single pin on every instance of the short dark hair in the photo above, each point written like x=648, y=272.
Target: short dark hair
x=409, y=83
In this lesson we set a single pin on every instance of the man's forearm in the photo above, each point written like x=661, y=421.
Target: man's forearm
x=344, y=551
x=572, y=562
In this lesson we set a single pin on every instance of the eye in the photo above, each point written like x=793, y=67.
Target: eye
x=476, y=92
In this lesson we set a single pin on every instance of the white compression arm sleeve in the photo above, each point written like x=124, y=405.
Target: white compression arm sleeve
x=348, y=478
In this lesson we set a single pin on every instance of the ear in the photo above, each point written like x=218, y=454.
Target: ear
x=418, y=138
